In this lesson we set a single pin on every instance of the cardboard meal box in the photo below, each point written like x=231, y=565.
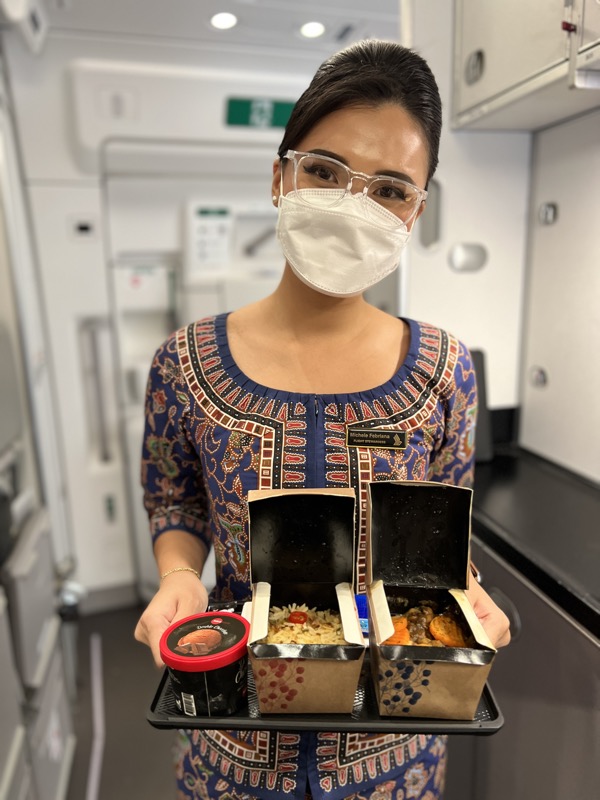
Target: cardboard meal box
x=418, y=546
x=303, y=551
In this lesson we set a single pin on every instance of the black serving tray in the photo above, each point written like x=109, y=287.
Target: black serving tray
x=364, y=718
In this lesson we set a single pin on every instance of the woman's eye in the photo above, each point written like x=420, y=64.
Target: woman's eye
x=391, y=192
x=321, y=172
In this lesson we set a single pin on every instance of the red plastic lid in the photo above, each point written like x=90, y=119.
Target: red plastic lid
x=205, y=641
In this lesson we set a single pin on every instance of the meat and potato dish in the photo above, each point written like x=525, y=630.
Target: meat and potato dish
x=422, y=625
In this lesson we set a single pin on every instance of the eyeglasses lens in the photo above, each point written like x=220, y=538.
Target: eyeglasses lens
x=315, y=172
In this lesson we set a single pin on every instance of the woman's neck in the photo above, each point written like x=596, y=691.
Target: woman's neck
x=295, y=307
x=299, y=340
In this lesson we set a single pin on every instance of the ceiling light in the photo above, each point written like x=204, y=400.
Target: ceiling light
x=311, y=30
x=223, y=21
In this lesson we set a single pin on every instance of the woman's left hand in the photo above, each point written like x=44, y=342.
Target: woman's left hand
x=493, y=619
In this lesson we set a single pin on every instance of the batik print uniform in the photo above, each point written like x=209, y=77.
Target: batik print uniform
x=211, y=435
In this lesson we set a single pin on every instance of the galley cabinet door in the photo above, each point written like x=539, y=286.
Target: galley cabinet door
x=546, y=684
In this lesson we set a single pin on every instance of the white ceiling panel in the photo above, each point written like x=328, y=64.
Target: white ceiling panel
x=262, y=23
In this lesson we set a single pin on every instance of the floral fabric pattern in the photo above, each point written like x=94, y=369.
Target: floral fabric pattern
x=422, y=780
x=211, y=435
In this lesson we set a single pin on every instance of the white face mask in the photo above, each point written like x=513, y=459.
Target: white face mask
x=339, y=251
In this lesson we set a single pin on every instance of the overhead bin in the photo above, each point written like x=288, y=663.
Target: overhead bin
x=552, y=74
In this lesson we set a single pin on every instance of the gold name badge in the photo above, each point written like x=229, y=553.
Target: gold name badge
x=368, y=437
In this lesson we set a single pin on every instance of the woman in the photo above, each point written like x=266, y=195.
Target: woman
x=265, y=397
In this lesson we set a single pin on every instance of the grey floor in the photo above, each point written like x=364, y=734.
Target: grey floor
x=136, y=759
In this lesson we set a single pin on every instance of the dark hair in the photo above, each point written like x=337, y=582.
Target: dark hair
x=370, y=73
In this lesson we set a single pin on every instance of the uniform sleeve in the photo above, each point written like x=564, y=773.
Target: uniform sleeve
x=454, y=459
x=174, y=491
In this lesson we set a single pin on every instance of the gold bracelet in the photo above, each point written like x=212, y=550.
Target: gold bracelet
x=181, y=569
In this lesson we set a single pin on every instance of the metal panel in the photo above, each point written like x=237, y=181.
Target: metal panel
x=562, y=334
x=24, y=309
x=68, y=221
x=11, y=420
x=591, y=23
x=515, y=68
x=477, y=174
x=15, y=781
x=10, y=688
x=547, y=682
x=51, y=737
x=505, y=44
x=28, y=577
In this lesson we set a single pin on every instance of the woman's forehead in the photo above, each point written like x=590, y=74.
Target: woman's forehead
x=373, y=139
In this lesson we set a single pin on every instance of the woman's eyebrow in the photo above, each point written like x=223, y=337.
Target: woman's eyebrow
x=390, y=172
x=329, y=154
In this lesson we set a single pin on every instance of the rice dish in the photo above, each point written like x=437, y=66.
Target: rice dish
x=298, y=624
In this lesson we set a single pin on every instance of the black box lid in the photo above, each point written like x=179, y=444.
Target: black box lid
x=419, y=534
x=302, y=542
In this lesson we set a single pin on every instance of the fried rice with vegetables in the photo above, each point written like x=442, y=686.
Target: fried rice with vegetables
x=299, y=624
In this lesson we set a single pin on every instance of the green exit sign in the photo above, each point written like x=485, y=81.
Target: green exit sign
x=258, y=112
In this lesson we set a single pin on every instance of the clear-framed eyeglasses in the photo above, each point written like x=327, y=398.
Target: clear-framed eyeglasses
x=314, y=171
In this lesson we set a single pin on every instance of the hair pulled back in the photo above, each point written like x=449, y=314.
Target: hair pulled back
x=370, y=73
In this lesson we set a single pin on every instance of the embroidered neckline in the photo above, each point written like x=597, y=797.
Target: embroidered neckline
x=413, y=362
x=210, y=369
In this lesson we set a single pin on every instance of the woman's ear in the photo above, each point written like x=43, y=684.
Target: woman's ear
x=276, y=184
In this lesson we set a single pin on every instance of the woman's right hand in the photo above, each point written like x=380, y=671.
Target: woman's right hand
x=180, y=595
